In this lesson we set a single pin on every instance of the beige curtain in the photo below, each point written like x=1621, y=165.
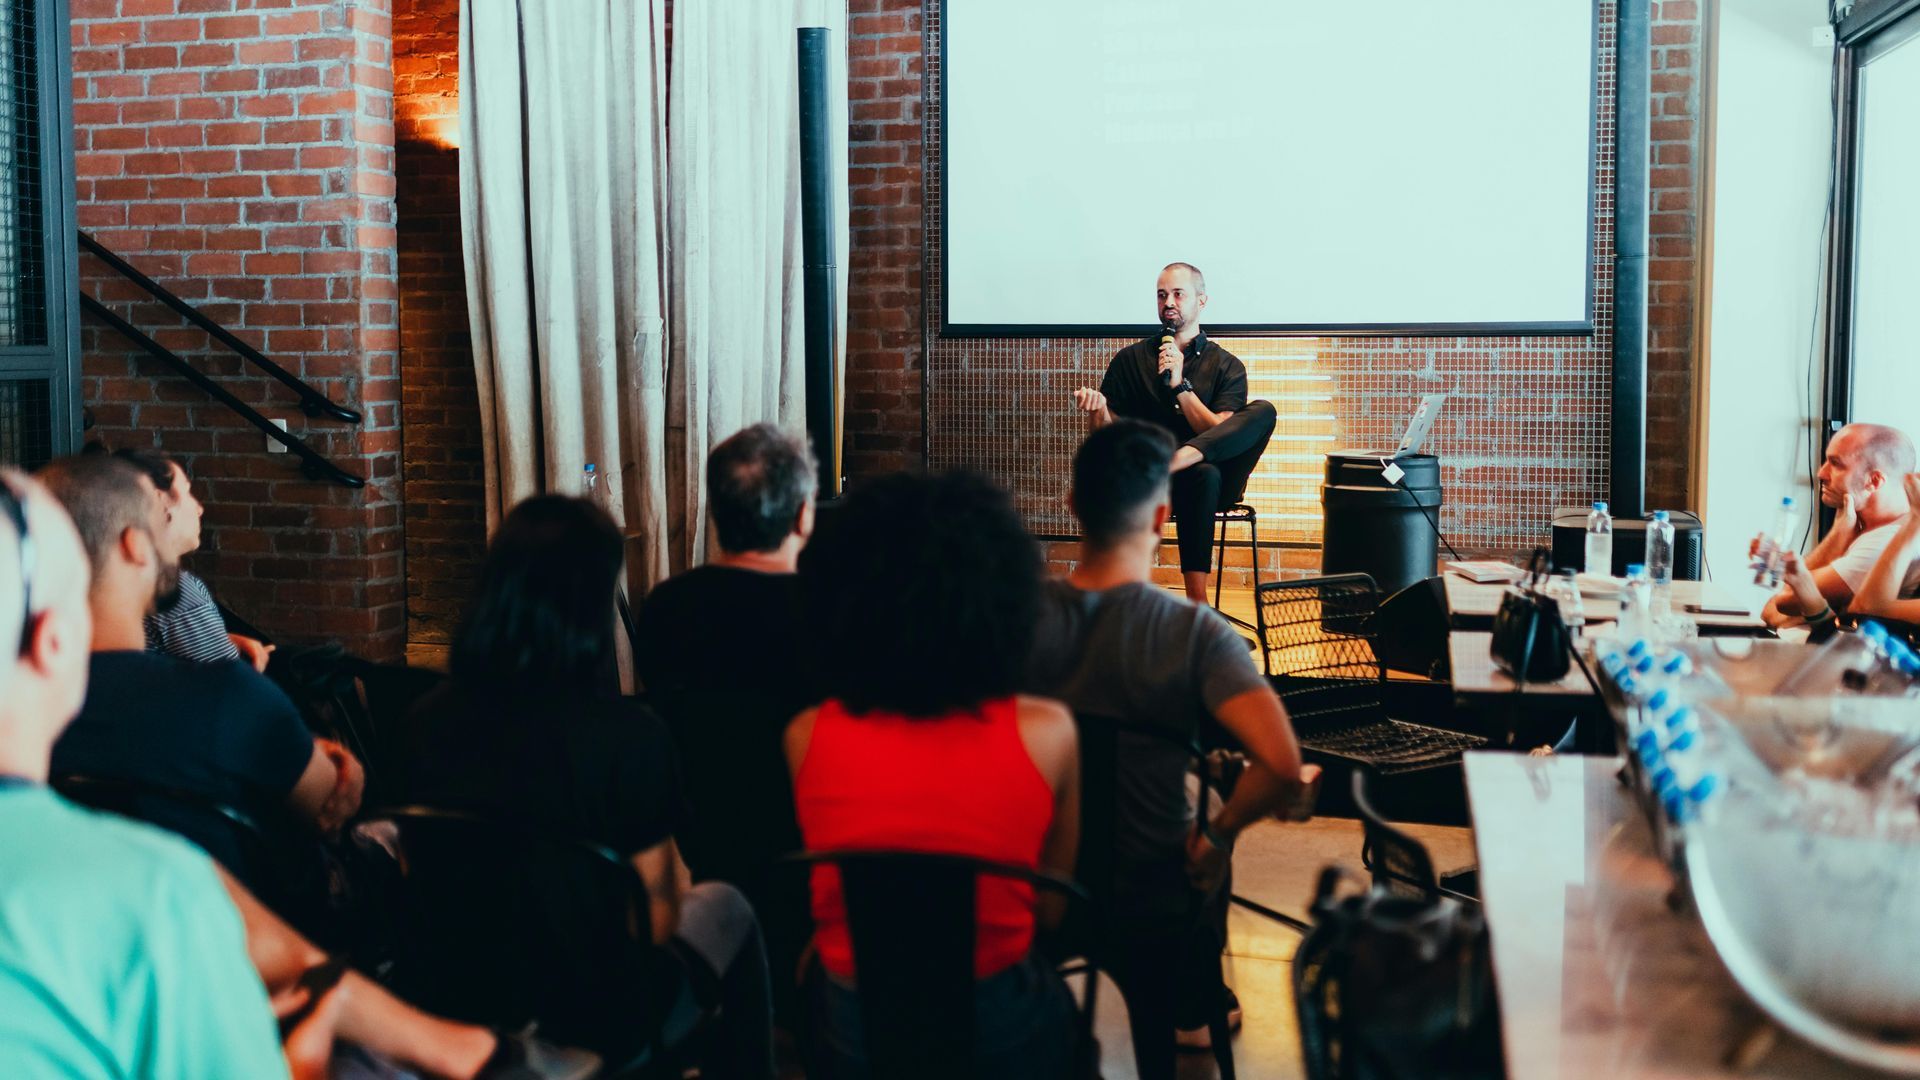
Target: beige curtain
x=563, y=197
x=735, y=257
x=634, y=279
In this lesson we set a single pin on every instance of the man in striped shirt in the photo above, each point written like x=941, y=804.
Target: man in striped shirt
x=187, y=623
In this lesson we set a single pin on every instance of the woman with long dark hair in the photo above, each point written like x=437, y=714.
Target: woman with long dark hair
x=922, y=594
x=530, y=728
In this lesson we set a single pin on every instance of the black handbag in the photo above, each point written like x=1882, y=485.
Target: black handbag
x=1395, y=988
x=1531, y=642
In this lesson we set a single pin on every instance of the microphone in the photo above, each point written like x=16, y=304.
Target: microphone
x=1166, y=337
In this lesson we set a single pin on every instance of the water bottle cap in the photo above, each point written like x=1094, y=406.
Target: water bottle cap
x=1677, y=664
x=1661, y=778
x=1680, y=717
x=1600, y=505
x=1873, y=631
x=1636, y=568
x=1681, y=742
x=589, y=466
x=1645, y=666
x=1627, y=685
x=1659, y=515
x=1649, y=749
x=1658, y=701
x=1638, y=648
x=1675, y=803
x=1786, y=500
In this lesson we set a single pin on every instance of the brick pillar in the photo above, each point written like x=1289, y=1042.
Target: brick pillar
x=244, y=159
x=442, y=462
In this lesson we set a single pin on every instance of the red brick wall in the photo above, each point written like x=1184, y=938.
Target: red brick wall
x=1673, y=228
x=244, y=158
x=1528, y=426
x=441, y=461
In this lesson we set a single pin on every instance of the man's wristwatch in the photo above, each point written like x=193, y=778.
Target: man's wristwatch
x=1185, y=387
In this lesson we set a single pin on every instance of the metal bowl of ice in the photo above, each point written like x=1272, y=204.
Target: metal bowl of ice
x=1807, y=879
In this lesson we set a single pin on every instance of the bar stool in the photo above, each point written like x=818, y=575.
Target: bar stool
x=1236, y=512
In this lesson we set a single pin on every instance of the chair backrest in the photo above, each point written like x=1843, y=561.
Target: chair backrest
x=1104, y=741
x=1316, y=643
x=1399, y=863
x=911, y=919
x=504, y=923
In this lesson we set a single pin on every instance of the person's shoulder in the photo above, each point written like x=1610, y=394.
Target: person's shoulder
x=98, y=847
x=1043, y=718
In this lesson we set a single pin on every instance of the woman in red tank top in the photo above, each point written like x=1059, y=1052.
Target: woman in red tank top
x=923, y=591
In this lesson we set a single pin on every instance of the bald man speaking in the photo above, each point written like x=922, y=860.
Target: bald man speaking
x=1197, y=390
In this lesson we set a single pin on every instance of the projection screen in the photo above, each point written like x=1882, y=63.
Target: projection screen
x=1400, y=166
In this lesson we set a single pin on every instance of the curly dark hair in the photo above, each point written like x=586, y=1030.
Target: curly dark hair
x=543, y=616
x=922, y=591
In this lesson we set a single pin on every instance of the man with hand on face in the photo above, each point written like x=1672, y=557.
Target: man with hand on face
x=1861, y=480
x=1179, y=380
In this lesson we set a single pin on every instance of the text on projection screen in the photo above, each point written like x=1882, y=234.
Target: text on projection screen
x=1398, y=162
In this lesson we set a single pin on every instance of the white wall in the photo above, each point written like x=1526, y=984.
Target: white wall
x=1886, y=366
x=1771, y=139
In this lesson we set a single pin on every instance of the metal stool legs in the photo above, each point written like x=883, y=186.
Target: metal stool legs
x=1236, y=512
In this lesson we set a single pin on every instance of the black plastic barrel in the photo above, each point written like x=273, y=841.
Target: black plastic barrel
x=1377, y=528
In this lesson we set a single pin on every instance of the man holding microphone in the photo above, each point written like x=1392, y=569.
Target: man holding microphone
x=1183, y=382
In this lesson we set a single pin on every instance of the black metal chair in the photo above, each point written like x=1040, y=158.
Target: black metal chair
x=1238, y=512
x=1316, y=645
x=911, y=918
x=504, y=923
x=1142, y=965
x=1400, y=864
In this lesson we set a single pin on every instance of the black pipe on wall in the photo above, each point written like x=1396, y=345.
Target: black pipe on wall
x=1632, y=85
x=820, y=267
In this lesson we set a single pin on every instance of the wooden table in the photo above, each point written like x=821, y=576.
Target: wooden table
x=1597, y=977
x=1472, y=605
x=1526, y=716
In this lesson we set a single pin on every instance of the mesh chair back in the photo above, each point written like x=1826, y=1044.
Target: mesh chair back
x=1316, y=639
x=911, y=919
x=505, y=924
x=1399, y=863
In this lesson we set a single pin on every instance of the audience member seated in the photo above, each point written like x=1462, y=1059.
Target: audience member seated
x=1891, y=590
x=717, y=658
x=121, y=950
x=1861, y=480
x=1111, y=644
x=187, y=623
x=523, y=730
x=922, y=599
x=221, y=731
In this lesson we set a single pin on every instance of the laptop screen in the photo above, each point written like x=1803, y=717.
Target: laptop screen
x=1421, y=424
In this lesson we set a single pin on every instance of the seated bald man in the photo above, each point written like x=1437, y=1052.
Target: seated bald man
x=1862, y=479
x=1197, y=391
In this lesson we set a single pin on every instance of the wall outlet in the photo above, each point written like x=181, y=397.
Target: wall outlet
x=275, y=446
x=1823, y=37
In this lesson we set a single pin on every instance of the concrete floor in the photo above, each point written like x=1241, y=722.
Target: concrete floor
x=1277, y=865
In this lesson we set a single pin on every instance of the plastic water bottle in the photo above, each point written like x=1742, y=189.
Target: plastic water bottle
x=1660, y=562
x=1600, y=541
x=1636, y=605
x=590, y=484
x=1770, y=548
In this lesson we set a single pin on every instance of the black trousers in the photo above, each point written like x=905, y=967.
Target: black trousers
x=1230, y=451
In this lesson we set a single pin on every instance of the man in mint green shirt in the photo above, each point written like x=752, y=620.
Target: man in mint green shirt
x=121, y=954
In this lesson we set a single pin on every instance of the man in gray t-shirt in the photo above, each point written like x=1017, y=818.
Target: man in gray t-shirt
x=1137, y=653
x=1110, y=644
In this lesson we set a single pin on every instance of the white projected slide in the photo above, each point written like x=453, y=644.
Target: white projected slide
x=1886, y=230
x=1402, y=164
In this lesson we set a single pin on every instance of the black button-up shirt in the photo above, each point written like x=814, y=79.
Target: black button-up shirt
x=1133, y=388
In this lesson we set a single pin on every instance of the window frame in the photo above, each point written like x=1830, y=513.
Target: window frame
x=57, y=359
